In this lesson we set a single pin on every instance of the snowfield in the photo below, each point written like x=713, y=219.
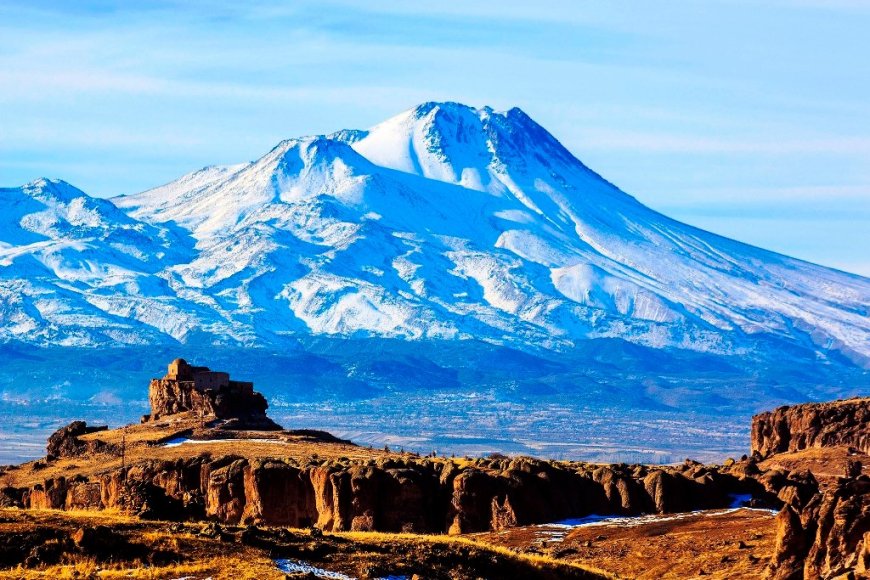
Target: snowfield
x=445, y=222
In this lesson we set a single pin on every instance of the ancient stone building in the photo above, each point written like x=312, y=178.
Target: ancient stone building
x=207, y=394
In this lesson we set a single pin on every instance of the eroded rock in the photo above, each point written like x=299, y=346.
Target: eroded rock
x=65, y=441
x=209, y=395
x=828, y=538
x=798, y=427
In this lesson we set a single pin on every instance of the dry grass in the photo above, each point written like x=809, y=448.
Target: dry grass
x=537, y=560
x=204, y=557
x=245, y=567
x=714, y=545
x=199, y=557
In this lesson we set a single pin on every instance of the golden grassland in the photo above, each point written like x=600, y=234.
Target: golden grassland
x=146, y=442
x=435, y=540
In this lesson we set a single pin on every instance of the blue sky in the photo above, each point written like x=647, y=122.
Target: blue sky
x=750, y=120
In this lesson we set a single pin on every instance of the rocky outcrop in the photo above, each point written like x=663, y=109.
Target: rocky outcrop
x=842, y=530
x=225, y=498
x=11, y=497
x=65, y=441
x=82, y=494
x=397, y=494
x=845, y=423
x=277, y=493
x=48, y=495
x=790, y=546
x=209, y=395
x=437, y=495
x=828, y=538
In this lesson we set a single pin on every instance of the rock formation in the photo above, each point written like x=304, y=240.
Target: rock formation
x=397, y=494
x=800, y=427
x=210, y=395
x=825, y=534
x=820, y=533
x=65, y=441
x=828, y=538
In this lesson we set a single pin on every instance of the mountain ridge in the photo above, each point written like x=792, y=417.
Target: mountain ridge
x=448, y=222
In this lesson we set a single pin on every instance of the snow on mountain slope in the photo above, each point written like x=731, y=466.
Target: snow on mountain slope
x=613, y=253
x=75, y=270
x=450, y=222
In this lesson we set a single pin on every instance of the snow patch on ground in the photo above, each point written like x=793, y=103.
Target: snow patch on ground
x=178, y=441
x=632, y=521
x=298, y=567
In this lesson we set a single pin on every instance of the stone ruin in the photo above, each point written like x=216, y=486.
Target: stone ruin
x=209, y=395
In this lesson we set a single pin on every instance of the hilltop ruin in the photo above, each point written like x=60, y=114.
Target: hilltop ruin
x=207, y=394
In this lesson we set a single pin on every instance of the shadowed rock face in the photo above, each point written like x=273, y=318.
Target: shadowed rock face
x=800, y=427
x=829, y=537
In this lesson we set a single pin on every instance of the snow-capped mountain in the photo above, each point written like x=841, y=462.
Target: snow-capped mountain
x=445, y=222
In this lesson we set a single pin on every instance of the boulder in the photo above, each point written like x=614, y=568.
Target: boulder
x=65, y=441
x=96, y=539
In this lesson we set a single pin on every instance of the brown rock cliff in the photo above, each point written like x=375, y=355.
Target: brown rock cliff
x=798, y=427
x=828, y=538
x=395, y=495
x=209, y=395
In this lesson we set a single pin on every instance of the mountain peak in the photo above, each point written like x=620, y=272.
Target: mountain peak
x=55, y=186
x=448, y=220
x=504, y=153
x=428, y=107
